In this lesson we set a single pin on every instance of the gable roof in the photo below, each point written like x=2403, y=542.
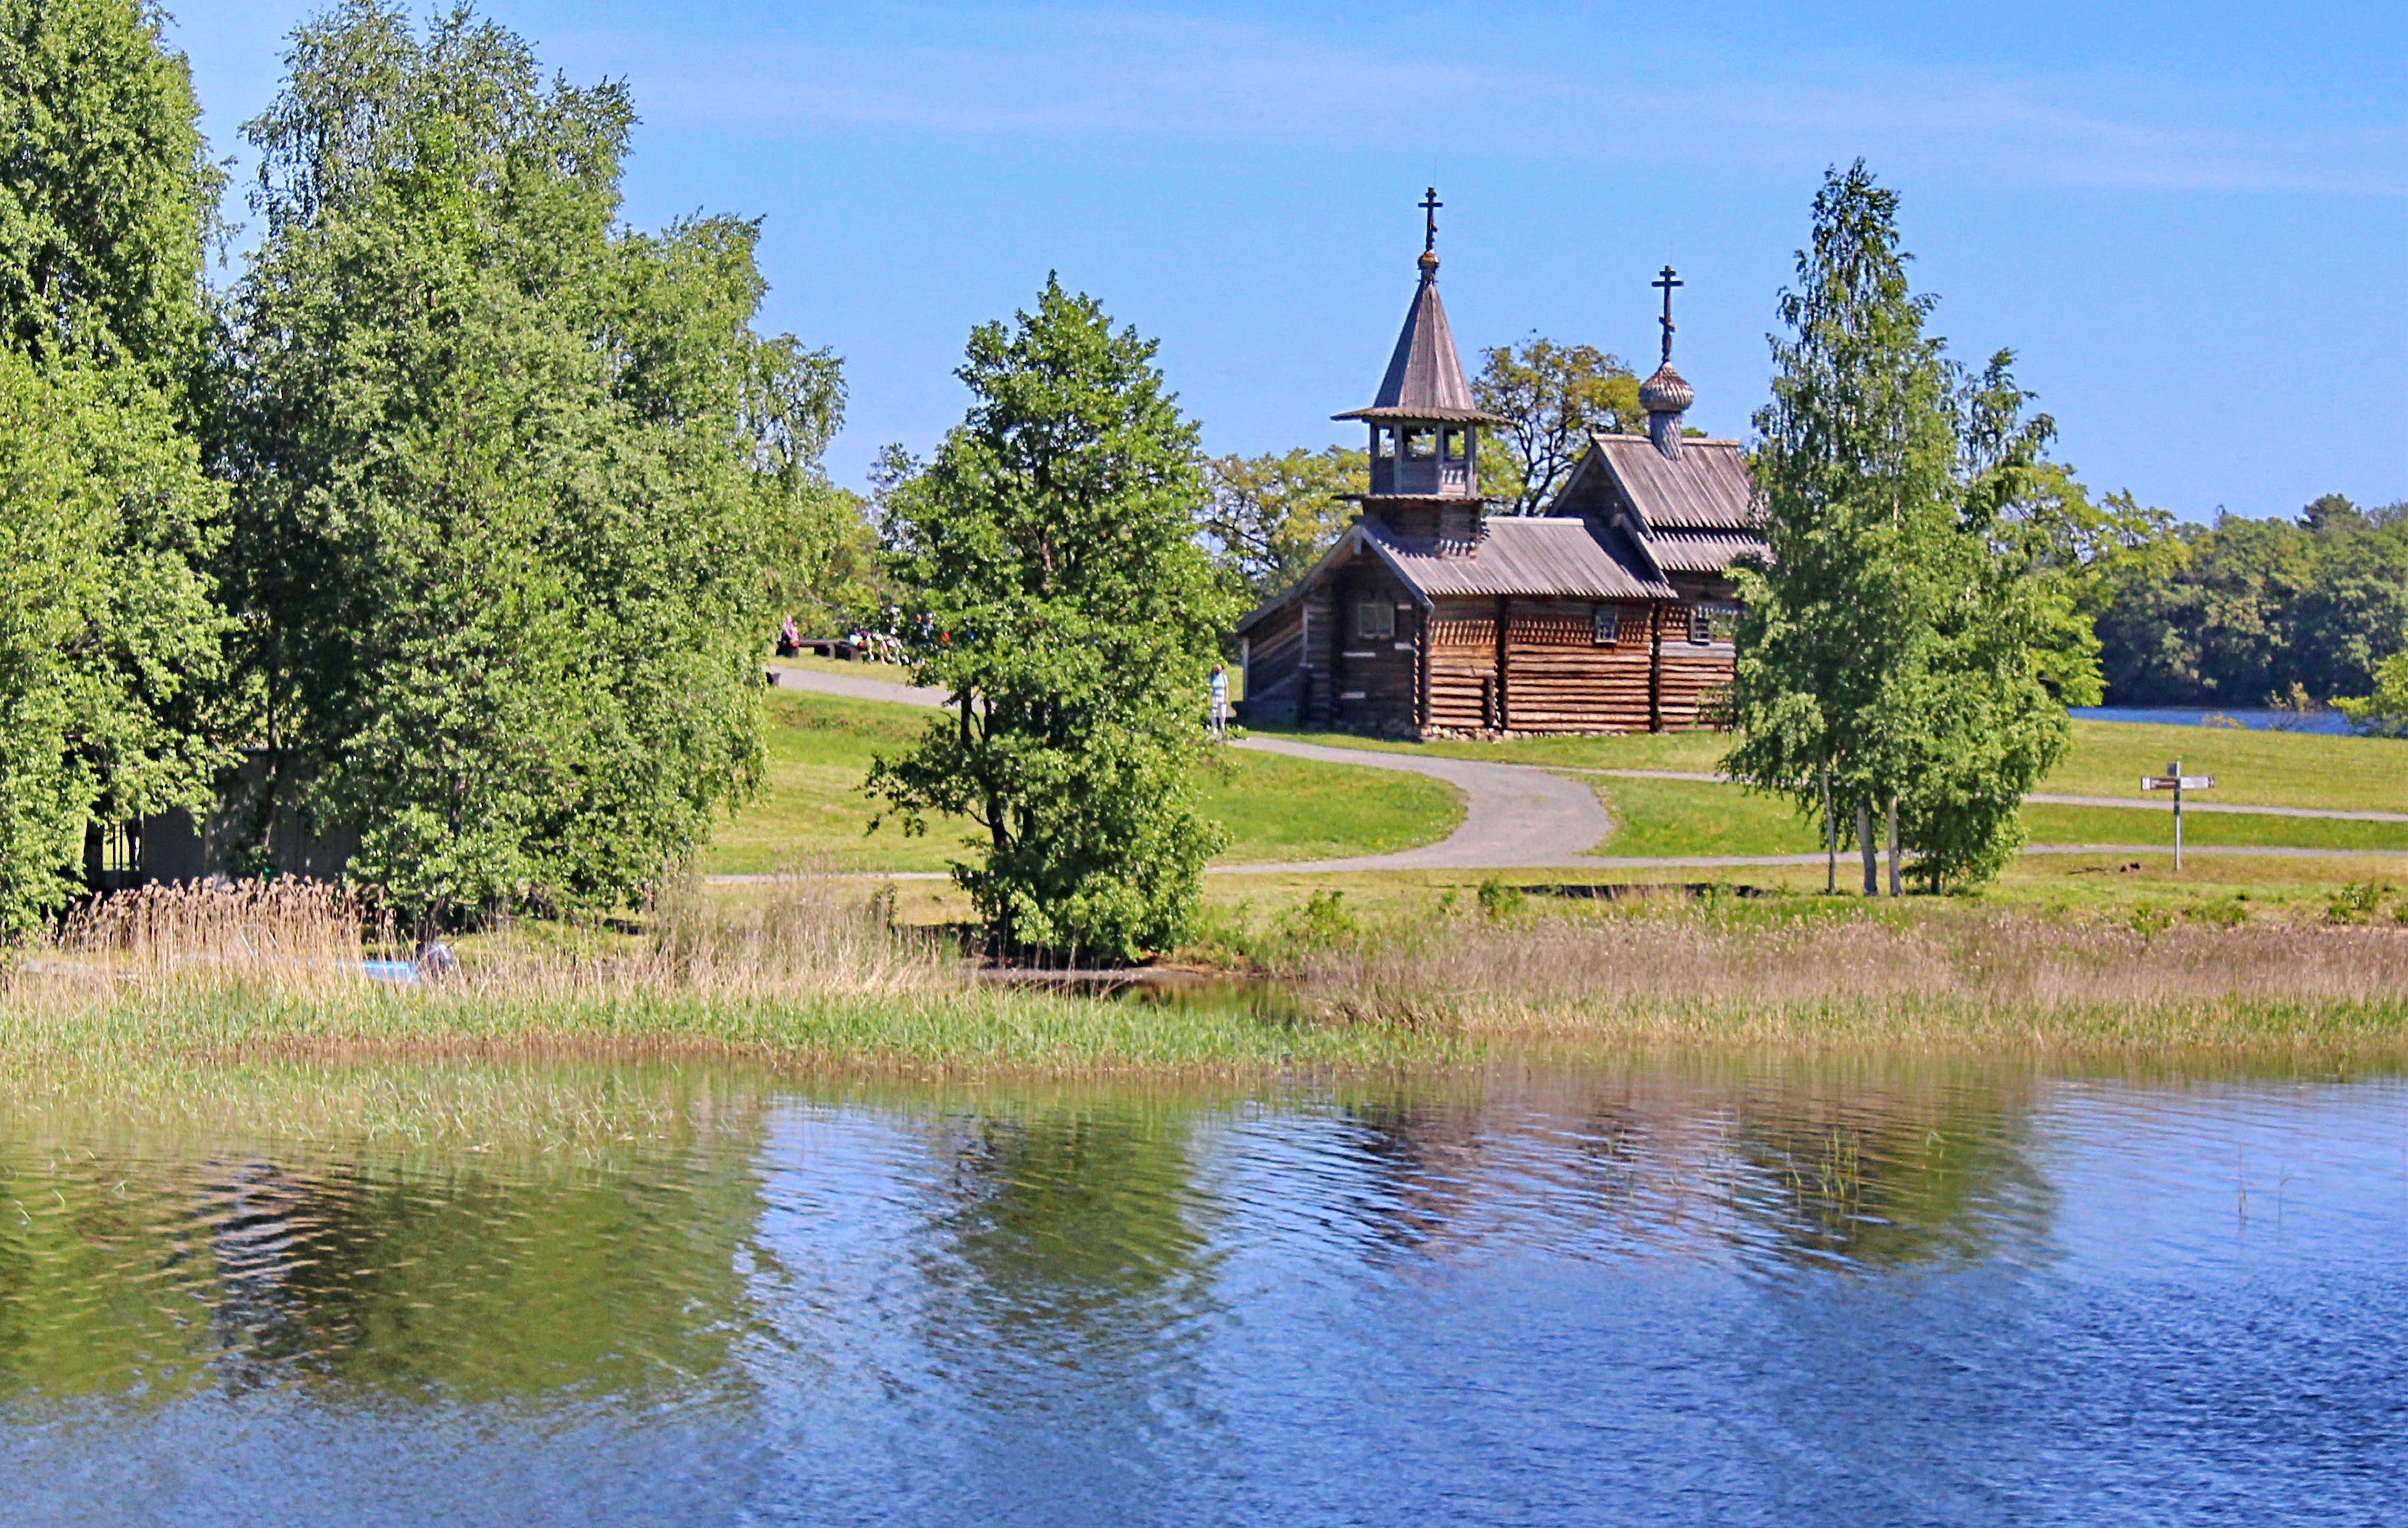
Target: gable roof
x=1527, y=555
x=1707, y=488
x=1426, y=380
x=1530, y=556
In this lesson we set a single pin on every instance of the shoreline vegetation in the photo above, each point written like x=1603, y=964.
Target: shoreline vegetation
x=814, y=976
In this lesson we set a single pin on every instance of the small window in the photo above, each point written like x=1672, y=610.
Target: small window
x=1450, y=445
x=1375, y=620
x=1383, y=441
x=1419, y=444
x=1701, y=625
x=1606, y=629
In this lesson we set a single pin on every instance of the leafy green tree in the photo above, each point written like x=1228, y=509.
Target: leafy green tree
x=827, y=570
x=1272, y=516
x=1910, y=642
x=2008, y=649
x=106, y=192
x=511, y=480
x=104, y=622
x=1053, y=543
x=2384, y=713
x=107, y=635
x=1557, y=395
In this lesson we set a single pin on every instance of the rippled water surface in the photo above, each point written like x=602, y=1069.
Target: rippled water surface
x=1677, y=1291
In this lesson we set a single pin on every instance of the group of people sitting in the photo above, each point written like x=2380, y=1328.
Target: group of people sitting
x=860, y=643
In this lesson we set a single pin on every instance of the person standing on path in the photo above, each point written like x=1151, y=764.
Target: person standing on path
x=1220, y=687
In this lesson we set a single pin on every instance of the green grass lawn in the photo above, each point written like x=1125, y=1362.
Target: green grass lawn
x=812, y=813
x=1691, y=818
x=2256, y=769
x=2111, y=825
x=1629, y=750
x=2107, y=759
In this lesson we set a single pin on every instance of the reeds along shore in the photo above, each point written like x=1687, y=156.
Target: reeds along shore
x=803, y=972
x=811, y=970
x=1985, y=977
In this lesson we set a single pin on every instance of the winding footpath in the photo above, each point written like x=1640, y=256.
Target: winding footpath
x=1524, y=816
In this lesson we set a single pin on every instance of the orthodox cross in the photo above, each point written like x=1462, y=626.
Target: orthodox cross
x=1668, y=282
x=1429, y=204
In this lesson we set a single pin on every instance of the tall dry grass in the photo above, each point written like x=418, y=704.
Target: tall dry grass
x=798, y=932
x=280, y=933
x=1995, y=974
x=799, y=935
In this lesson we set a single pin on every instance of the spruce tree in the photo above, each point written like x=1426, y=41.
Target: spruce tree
x=1052, y=542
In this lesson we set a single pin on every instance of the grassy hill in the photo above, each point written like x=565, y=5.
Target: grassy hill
x=813, y=814
x=2256, y=769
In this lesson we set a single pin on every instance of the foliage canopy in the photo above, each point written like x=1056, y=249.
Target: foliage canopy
x=106, y=631
x=1555, y=396
x=1911, y=638
x=1271, y=517
x=508, y=478
x=1052, y=542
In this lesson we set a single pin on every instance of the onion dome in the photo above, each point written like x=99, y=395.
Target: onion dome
x=1666, y=392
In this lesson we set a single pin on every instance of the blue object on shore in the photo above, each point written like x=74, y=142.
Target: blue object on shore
x=404, y=972
x=2328, y=722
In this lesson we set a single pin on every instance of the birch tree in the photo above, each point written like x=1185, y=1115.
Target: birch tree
x=1906, y=649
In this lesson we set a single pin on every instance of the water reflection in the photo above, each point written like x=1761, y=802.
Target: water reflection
x=1719, y=1288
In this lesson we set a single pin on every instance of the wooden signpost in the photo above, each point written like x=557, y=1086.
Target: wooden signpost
x=2177, y=782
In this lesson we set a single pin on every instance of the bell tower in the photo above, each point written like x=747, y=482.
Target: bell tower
x=1424, y=424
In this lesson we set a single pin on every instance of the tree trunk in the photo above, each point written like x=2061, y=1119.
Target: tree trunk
x=1894, y=889
x=1830, y=839
x=1866, y=847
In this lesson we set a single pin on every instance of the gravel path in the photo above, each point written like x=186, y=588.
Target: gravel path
x=1514, y=818
x=1521, y=817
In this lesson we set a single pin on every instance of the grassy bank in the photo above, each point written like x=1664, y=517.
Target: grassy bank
x=1427, y=976
x=807, y=972
x=1803, y=970
x=813, y=813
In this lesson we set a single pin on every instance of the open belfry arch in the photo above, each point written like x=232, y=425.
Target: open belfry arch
x=1434, y=617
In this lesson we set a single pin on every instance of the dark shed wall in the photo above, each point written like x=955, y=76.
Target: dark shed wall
x=1275, y=666
x=1375, y=681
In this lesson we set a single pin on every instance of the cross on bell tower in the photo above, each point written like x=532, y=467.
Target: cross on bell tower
x=1430, y=205
x=1666, y=396
x=1668, y=282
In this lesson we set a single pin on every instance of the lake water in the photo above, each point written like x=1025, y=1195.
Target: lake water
x=1703, y=1289
x=2325, y=723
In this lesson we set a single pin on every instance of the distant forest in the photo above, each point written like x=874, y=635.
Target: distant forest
x=2251, y=613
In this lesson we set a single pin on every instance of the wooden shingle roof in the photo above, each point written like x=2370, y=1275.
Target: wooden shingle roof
x=1426, y=380
x=1707, y=488
x=1530, y=556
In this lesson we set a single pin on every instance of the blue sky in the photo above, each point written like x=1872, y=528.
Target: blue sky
x=2189, y=219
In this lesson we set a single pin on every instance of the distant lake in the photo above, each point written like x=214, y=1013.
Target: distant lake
x=1677, y=1288
x=2329, y=722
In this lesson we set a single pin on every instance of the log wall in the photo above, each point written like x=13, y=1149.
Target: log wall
x=1462, y=666
x=1559, y=679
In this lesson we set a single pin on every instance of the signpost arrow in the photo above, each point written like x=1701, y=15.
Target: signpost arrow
x=2177, y=782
